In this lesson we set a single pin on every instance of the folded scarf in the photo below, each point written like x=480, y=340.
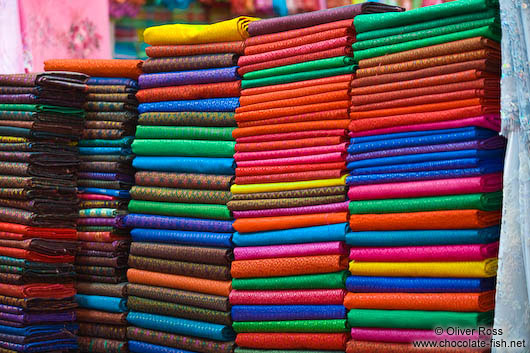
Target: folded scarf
x=245, y=189
x=147, y=193
x=188, y=92
x=199, y=105
x=188, y=148
x=101, y=317
x=181, y=341
x=288, y=144
x=287, y=312
x=192, y=62
x=177, y=223
x=38, y=290
x=188, y=77
x=462, y=302
x=294, y=86
x=289, y=211
x=207, y=211
x=324, y=97
x=398, y=335
x=355, y=346
x=287, y=194
x=308, y=341
x=201, y=165
x=322, y=64
x=224, y=31
x=194, y=254
x=97, y=302
x=246, y=225
x=183, y=180
x=287, y=297
x=109, y=290
x=315, y=281
x=162, y=51
x=320, y=326
x=97, y=67
x=278, y=251
x=188, y=119
x=182, y=237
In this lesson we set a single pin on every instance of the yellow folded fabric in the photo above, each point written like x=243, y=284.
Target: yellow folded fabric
x=464, y=269
x=232, y=30
x=12, y=139
x=295, y=185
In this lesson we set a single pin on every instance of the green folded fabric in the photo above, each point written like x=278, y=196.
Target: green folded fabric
x=250, y=350
x=486, y=201
x=492, y=32
x=299, y=76
x=291, y=326
x=387, y=32
x=61, y=110
x=19, y=107
x=417, y=319
x=185, y=132
x=188, y=148
x=365, y=23
x=331, y=280
x=123, y=142
x=180, y=209
x=422, y=34
x=321, y=64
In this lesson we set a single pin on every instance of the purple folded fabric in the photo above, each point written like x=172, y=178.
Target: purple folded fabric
x=17, y=98
x=11, y=309
x=494, y=142
x=290, y=250
x=405, y=335
x=33, y=318
x=95, y=221
x=105, y=176
x=273, y=212
x=467, y=252
x=179, y=78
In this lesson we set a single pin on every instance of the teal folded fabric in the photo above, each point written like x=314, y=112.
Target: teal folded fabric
x=98, y=302
x=184, y=132
x=123, y=142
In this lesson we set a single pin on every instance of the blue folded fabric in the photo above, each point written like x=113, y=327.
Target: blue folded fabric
x=199, y=165
x=428, y=175
x=142, y=347
x=332, y=232
x=362, y=139
x=462, y=163
x=287, y=312
x=40, y=330
x=221, y=240
x=181, y=326
x=112, y=81
x=464, y=134
x=196, y=105
x=109, y=192
x=424, y=237
x=424, y=157
x=367, y=284
x=99, y=302
x=190, y=77
x=123, y=151
x=123, y=142
x=44, y=346
x=135, y=220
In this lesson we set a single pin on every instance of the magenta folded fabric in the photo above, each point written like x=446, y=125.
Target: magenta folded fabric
x=317, y=158
x=290, y=250
x=290, y=211
x=291, y=135
x=293, y=152
x=467, y=252
x=471, y=185
x=288, y=297
x=339, y=42
x=406, y=335
x=491, y=121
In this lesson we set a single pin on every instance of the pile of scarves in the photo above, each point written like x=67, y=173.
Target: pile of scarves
x=425, y=163
x=182, y=229
x=289, y=197
x=104, y=180
x=41, y=116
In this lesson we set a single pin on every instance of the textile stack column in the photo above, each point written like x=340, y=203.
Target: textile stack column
x=104, y=181
x=289, y=197
x=182, y=250
x=426, y=162
x=41, y=117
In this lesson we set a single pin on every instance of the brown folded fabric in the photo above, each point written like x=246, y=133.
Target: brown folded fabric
x=43, y=246
x=262, y=204
x=196, y=254
x=39, y=304
x=116, y=332
x=103, y=289
x=95, y=344
x=100, y=317
x=302, y=193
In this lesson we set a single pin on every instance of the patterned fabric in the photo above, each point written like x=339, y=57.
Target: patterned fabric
x=180, y=195
x=111, y=116
x=101, y=345
x=188, y=119
x=21, y=80
x=108, y=106
x=104, y=331
x=236, y=47
x=108, y=89
x=195, y=62
x=112, y=81
x=300, y=193
x=207, y=255
x=99, y=271
x=101, y=317
x=201, y=91
x=184, y=180
x=188, y=77
x=263, y=204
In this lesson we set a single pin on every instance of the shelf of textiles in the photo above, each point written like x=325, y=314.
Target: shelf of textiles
x=105, y=178
x=181, y=251
x=425, y=162
x=41, y=117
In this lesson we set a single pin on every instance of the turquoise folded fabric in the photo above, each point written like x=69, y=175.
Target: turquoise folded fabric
x=200, y=165
x=181, y=326
x=98, y=302
x=123, y=142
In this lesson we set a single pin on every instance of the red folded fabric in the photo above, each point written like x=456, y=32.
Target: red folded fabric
x=324, y=341
x=276, y=60
x=288, y=144
x=292, y=127
x=336, y=114
x=34, y=256
x=19, y=231
x=291, y=110
x=281, y=169
x=293, y=86
x=209, y=90
x=286, y=177
x=97, y=67
x=385, y=347
x=247, y=225
x=338, y=95
x=290, y=135
x=293, y=152
x=38, y=290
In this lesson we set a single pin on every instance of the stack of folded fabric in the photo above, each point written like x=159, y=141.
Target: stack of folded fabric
x=41, y=116
x=104, y=180
x=289, y=197
x=425, y=160
x=181, y=251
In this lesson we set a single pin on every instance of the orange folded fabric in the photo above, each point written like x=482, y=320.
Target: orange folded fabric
x=287, y=177
x=459, y=46
x=293, y=86
x=293, y=93
x=420, y=99
x=309, y=341
x=430, y=62
x=290, y=110
x=468, y=302
x=288, y=144
x=280, y=169
x=451, y=219
x=97, y=67
x=491, y=84
x=192, y=284
x=421, y=108
x=247, y=225
x=338, y=95
x=209, y=90
x=420, y=118
x=288, y=266
x=336, y=114
x=385, y=347
x=291, y=127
